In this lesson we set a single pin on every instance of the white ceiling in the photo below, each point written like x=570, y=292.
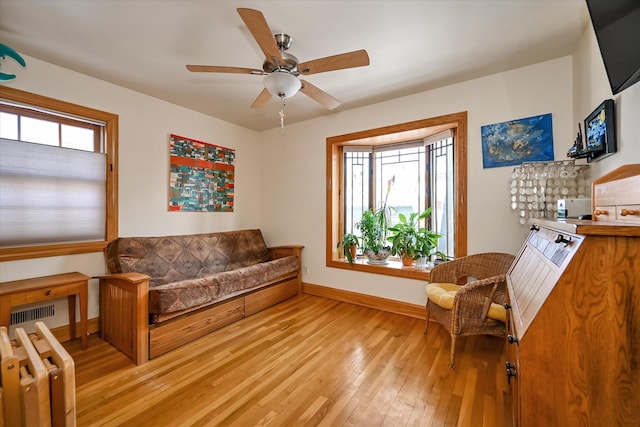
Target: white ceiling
x=413, y=46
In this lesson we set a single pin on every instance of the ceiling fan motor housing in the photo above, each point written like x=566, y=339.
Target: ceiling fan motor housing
x=290, y=62
x=283, y=40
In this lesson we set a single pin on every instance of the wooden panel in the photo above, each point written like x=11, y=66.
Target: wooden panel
x=124, y=311
x=605, y=213
x=10, y=376
x=56, y=383
x=40, y=385
x=513, y=369
x=628, y=213
x=582, y=341
x=621, y=186
x=267, y=297
x=118, y=318
x=29, y=402
x=532, y=278
x=65, y=382
x=41, y=282
x=176, y=332
x=384, y=304
x=28, y=297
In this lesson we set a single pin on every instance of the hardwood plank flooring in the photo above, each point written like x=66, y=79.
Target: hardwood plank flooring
x=308, y=361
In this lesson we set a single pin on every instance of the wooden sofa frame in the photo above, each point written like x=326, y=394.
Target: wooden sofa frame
x=124, y=311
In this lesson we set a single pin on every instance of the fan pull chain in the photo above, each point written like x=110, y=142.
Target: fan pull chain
x=282, y=115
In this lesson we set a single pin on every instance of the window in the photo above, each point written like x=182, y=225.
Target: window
x=408, y=177
x=412, y=166
x=58, y=177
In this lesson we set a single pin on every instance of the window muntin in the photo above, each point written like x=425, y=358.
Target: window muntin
x=337, y=221
x=410, y=178
x=77, y=129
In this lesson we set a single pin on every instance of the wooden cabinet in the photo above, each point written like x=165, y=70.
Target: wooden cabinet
x=574, y=325
x=27, y=291
x=617, y=196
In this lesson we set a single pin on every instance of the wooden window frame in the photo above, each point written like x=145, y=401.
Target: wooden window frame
x=111, y=147
x=457, y=123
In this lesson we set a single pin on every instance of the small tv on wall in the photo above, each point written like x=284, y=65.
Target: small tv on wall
x=617, y=27
x=599, y=134
x=600, y=131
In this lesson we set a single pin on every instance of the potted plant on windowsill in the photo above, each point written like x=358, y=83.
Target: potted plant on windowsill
x=426, y=243
x=409, y=240
x=349, y=245
x=374, y=226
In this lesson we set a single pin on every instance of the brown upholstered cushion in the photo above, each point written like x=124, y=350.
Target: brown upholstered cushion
x=190, y=293
x=193, y=270
x=170, y=259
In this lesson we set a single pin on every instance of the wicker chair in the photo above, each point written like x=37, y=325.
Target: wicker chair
x=466, y=296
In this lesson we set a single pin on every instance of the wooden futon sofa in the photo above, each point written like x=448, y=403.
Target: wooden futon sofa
x=162, y=292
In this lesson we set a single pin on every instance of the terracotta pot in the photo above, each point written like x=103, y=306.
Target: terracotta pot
x=407, y=260
x=353, y=249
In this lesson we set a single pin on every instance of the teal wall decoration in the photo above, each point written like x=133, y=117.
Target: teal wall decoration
x=7, y=51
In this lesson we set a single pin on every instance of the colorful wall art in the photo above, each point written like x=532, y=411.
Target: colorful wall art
x=517, y=141
x=201, y=176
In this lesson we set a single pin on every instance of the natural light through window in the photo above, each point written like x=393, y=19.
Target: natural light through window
x=407, y=177
x=414, y=166
x=58, y=193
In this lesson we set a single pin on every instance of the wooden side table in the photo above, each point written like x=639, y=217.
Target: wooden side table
x=27, y=291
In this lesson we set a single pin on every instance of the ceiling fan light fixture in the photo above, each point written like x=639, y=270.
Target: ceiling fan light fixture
x=282, y=84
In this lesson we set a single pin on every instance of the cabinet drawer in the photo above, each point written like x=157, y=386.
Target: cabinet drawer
x=604, y=213
x=35, y=295
x=628, y=214
x=272, y=295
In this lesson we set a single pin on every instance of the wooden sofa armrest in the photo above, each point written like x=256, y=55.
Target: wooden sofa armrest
x=285, y=250
x=124, y=313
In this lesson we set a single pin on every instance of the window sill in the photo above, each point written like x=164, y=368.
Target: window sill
x=30, y=252
x=393, y=268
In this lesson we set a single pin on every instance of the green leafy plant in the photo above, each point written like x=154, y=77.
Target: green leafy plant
x=374, y=226
x=409, y=239
x=348, y=241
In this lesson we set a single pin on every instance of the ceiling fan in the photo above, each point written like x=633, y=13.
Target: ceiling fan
x=281, y=69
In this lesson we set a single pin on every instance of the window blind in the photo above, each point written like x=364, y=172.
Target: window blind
x=50, y=194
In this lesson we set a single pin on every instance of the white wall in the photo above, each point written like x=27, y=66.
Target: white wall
x=294, y=167
x=280, y=184
x=591, y=87
x=144, y=127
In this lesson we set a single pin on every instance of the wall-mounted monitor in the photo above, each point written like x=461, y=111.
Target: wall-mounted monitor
x=599, y=134
x=617, y=27
x=600, y=131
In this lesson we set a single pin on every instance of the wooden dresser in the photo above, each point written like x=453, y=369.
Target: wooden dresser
x=573, y=352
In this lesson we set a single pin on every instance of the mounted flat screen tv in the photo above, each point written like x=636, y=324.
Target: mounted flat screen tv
x=600, y=134
x=617, y=27
x=600, y=131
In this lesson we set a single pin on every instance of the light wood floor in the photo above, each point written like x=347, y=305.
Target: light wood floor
x=307, y=361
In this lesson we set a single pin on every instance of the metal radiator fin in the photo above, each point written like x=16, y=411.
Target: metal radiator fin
x=32, y=314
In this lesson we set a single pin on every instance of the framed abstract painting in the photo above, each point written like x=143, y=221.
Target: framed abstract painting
x=517, y=141
x=201, y=176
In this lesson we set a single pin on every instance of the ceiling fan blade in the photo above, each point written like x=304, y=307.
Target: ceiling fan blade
x=357, y=58
x=257, y=24
x=262, y=99
x=217, y=69
x=318, y=95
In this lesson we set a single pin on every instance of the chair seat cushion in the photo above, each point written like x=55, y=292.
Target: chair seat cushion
x=444, y=293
